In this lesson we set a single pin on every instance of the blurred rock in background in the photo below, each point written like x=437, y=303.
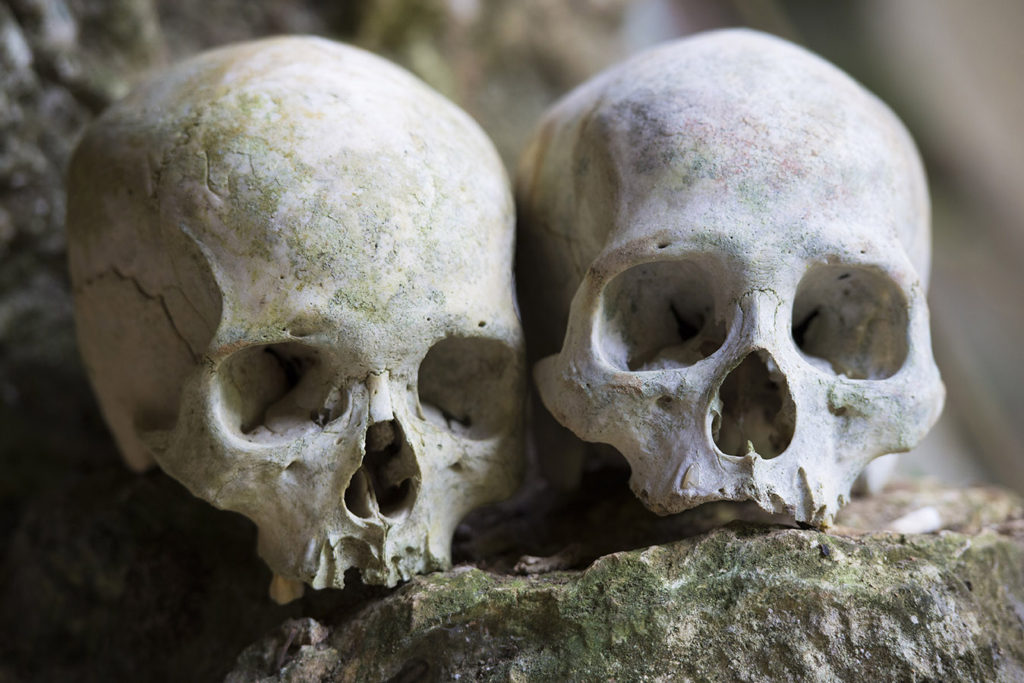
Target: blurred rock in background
x=60, y=65
x=954, y=70
x=950, y=69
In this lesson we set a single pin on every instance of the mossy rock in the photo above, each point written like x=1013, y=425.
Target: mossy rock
x=742, y=602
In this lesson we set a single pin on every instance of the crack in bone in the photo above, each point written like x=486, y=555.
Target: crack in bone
x=159, y=298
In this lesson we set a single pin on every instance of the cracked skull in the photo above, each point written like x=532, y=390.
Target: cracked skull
x=730, y=238
x=292, y=273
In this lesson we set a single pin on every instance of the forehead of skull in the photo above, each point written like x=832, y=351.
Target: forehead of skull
x=736, y=130
x=317, y=177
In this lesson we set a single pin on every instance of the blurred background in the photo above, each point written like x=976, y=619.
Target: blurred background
x=950, y=69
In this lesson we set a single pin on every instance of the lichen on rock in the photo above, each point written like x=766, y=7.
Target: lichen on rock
x=742, y=602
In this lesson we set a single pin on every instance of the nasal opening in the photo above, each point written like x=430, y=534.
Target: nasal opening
x=756, y=411
x=385, y=481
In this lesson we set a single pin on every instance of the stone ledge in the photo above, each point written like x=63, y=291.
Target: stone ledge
x=742, y=602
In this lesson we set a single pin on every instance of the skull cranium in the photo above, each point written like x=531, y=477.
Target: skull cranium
x=733, y=237
x=292, y=273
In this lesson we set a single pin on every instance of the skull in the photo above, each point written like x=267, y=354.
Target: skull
x=729, y=238
x=292, y=272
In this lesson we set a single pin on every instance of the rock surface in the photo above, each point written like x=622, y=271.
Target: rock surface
x=113, y=576
x=742, y=602
x=59, y=66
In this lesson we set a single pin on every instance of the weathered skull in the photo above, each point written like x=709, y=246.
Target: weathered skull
x=732, y=236
x=292, y=265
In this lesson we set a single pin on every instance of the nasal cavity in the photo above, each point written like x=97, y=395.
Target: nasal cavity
x=385, y=481
x=756, y=412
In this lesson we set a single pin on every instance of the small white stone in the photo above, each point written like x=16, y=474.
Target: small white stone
x=921, y=521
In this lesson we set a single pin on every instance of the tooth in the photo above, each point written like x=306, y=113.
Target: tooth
x=284, y=590
x=689, y=478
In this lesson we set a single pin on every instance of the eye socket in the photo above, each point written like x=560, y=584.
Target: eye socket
x=464, y=384
x=659, y=316
x=277, y=391
x=851, y=321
